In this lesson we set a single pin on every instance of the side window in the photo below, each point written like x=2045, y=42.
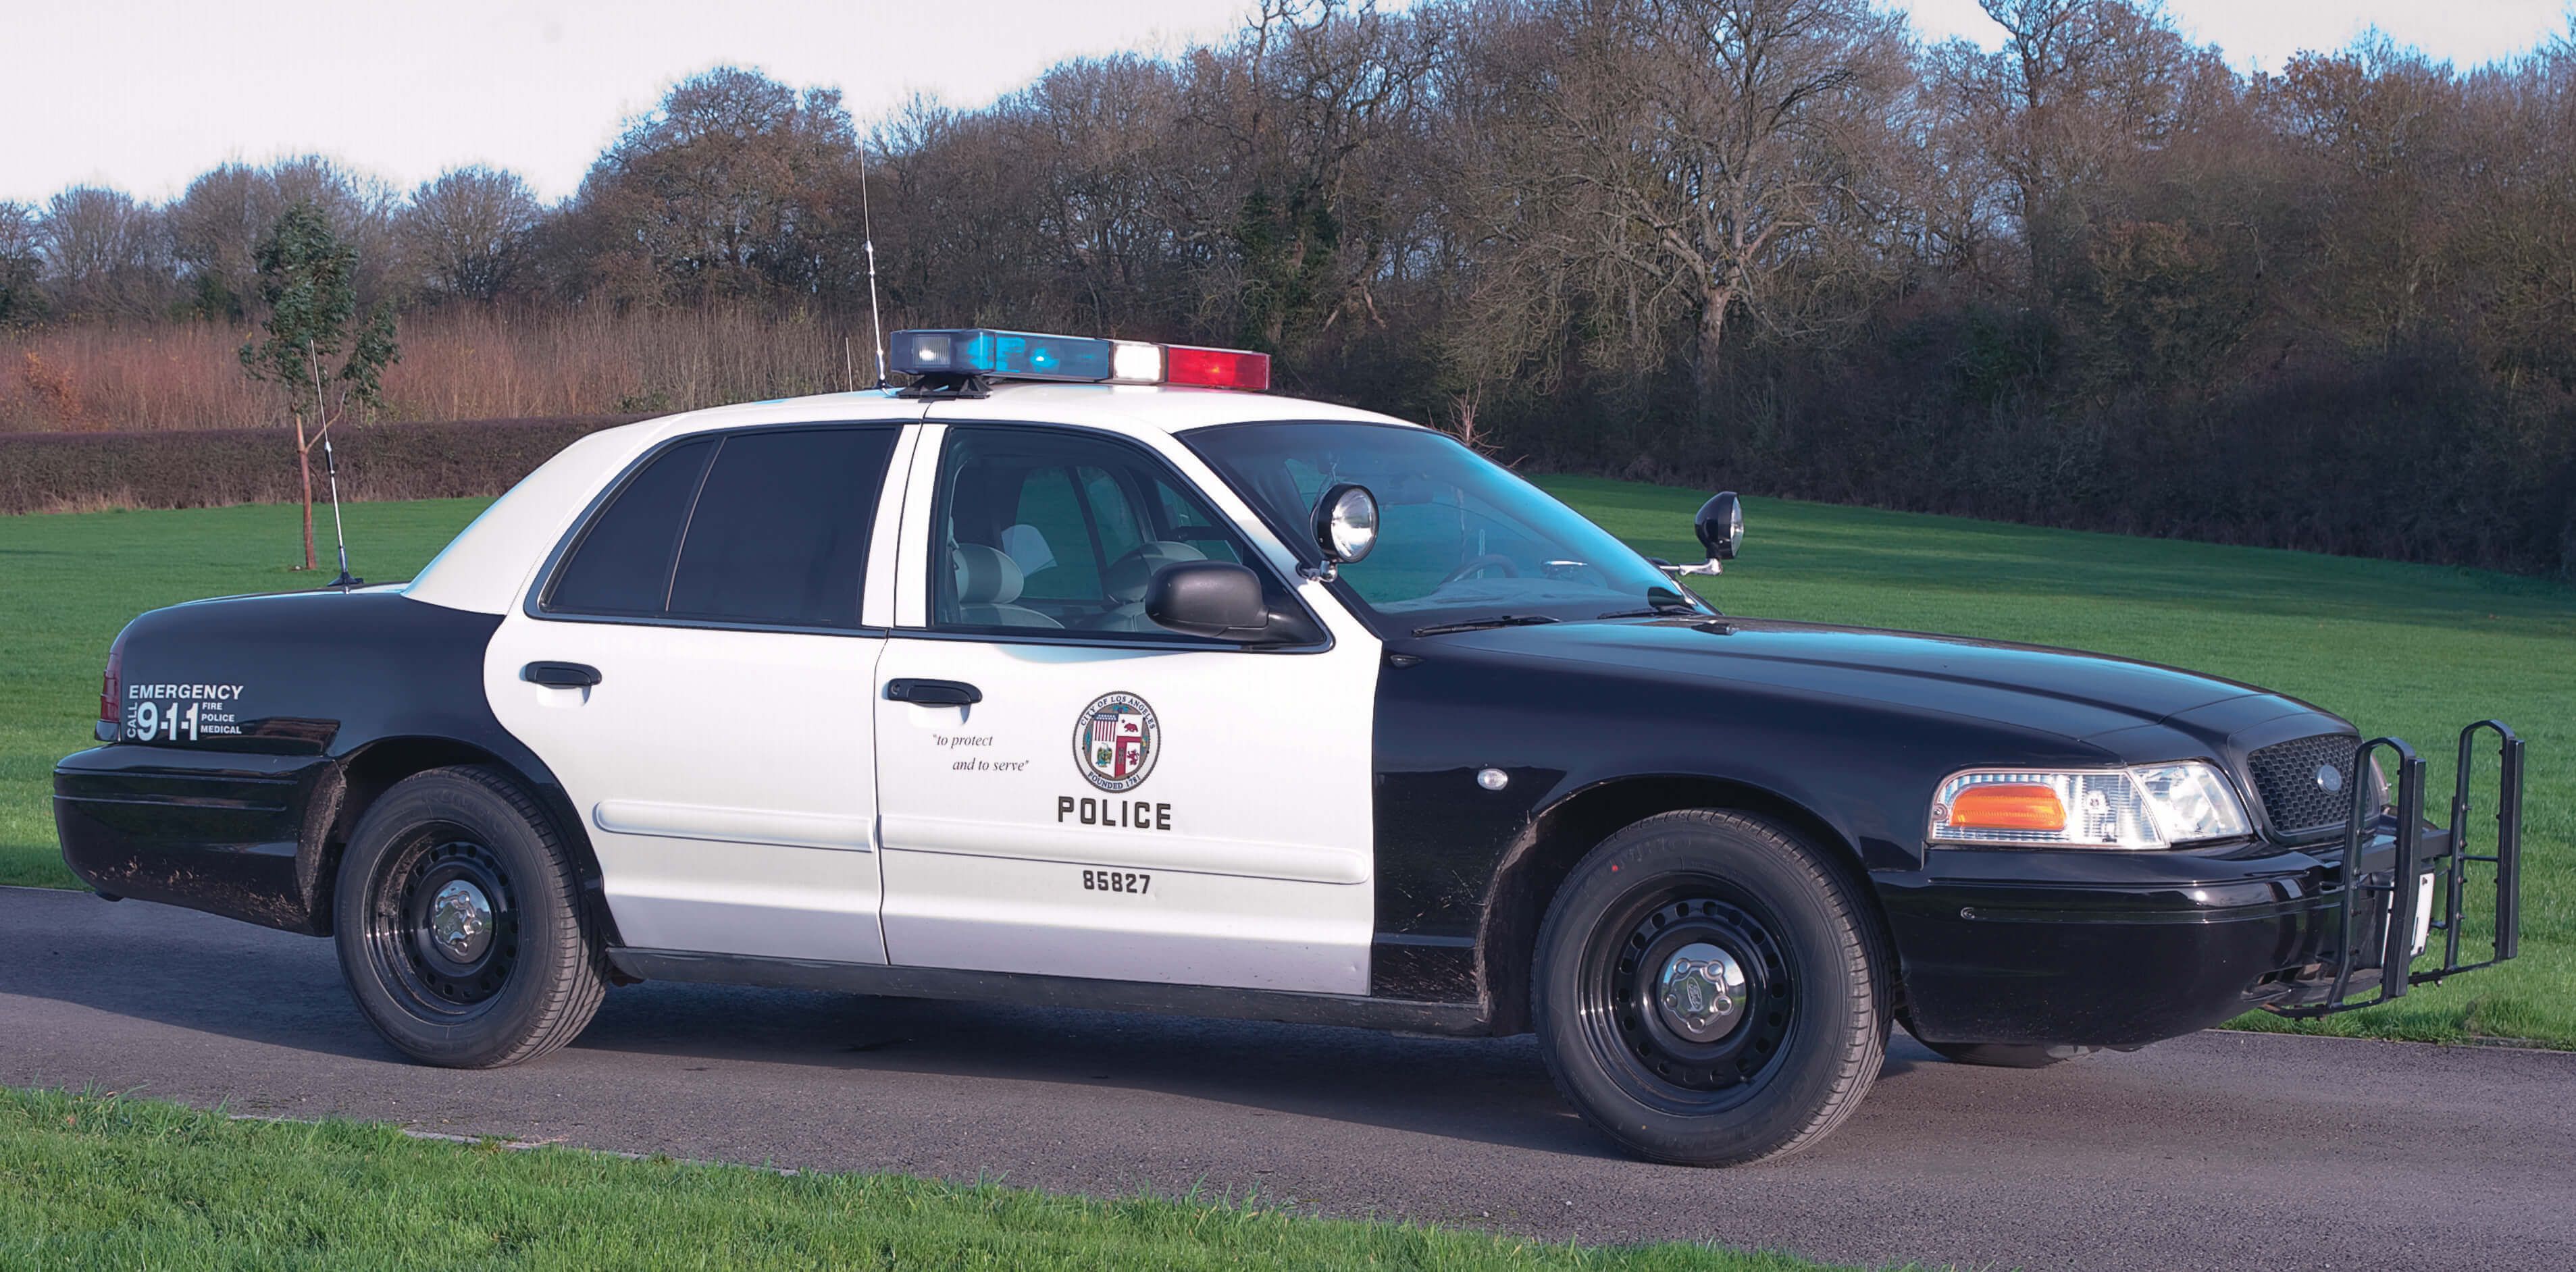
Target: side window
x=622, y=565
x=760, y=528
x=780, y=532
x=1062, y=532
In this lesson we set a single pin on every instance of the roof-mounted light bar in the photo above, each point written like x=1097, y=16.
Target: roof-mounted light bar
x=966, y=355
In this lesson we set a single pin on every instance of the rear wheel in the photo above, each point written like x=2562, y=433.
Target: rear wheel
x=458, y=923
x=1706, y=990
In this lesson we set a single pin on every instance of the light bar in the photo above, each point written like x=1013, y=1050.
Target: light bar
x=1021, y=355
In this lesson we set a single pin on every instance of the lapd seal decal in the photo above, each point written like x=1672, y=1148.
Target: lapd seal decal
x=1117, y=741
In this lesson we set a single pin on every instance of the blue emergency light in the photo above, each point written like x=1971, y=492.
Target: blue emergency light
x=984, y=354
x=1016, y=355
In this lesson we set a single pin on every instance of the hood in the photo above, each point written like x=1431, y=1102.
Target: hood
x=2063, y=692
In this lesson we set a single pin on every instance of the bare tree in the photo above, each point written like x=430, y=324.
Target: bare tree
x=103, y=253
x=22, y=263
x=467, y=230
x=729, y=188
x=1687, y=160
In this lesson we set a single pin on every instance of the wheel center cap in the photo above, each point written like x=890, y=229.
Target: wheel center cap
x=460, y=921
x=1701, y=992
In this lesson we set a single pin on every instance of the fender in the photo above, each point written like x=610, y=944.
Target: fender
x=306, y=706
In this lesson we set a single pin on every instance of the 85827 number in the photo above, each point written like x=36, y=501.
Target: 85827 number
x=1115, y=881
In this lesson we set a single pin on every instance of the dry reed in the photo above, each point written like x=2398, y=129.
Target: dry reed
x=457, y=364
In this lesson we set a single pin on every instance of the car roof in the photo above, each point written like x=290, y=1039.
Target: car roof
x=486, y=565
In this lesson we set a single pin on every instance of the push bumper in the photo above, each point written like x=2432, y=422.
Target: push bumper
x=2114, y=949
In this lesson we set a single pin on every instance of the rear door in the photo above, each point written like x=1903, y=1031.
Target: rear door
x=1118, y=801
x=723, y=759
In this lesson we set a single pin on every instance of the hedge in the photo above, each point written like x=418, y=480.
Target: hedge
x=68, y=472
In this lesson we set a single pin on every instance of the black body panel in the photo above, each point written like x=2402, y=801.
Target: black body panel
x=320, y=690
x=1842, y=734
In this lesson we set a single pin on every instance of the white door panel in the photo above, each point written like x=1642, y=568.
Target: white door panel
x=725, y=775
x=1253, y=817
x=765, y=900
x=1180, y=928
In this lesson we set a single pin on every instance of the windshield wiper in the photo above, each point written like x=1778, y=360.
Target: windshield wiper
x=1481, y=624
x=1659, y=602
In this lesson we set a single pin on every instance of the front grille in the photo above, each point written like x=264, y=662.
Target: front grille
x=2285, y=779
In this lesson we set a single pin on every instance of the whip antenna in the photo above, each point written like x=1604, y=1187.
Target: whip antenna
x=331, y=465
x=868, y=240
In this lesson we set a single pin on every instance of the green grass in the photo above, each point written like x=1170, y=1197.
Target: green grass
x=2412, y=650
x=87, y=1181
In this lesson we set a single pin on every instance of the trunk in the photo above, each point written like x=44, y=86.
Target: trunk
x=1712, y=339
x=304, y=461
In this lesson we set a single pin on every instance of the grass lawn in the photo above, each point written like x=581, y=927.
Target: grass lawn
x=102, y=1182
x=2412, y=650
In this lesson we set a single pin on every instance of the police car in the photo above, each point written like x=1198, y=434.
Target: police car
x=1084, y=673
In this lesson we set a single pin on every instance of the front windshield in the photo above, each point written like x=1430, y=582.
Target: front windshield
x=1460, y=539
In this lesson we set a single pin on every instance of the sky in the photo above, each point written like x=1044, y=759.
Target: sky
x=407, y=89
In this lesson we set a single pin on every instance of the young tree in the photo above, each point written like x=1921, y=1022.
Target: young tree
x=307, y=282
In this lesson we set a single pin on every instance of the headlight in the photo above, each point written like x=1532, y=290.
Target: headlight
x=2149, y=806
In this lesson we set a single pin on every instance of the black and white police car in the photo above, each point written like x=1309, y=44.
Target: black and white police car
x=1072, y=674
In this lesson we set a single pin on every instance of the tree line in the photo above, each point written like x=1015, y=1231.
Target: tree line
x=2096, y=277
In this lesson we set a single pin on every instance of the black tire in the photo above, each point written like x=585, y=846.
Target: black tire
x=1809, y=1030
x=2006, y=1055
x=531, y=980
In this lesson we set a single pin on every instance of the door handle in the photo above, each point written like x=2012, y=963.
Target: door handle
x=560, y=675
x=933, y=693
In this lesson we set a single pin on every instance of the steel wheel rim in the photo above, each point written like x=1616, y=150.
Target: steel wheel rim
x=1628, y=1030
x=414, y=946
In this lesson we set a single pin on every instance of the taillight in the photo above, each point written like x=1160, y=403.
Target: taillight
x=111, y=692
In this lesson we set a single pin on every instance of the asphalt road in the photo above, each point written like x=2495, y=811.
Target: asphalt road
x=2230, y=1150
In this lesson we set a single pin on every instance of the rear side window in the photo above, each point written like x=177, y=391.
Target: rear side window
x=765, y=528
x=780, y=534
x=623, y=563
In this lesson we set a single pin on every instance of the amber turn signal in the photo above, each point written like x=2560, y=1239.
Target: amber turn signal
x=2008, y=806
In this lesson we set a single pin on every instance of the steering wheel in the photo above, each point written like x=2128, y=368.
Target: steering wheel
x=1474, y=564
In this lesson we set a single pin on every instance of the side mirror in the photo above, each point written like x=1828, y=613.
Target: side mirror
x=1345, y=525
x=1215, y=599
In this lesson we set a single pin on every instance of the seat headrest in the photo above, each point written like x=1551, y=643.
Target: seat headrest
x=984, y=576
x=1131, y=574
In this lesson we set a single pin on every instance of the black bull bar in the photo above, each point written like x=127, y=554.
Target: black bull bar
x=2399, y=872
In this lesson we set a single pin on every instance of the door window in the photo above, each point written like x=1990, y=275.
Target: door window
x=1061, y=532
x=759, y=528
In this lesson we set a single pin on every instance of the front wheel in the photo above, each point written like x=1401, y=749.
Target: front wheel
x=1706, y=990
x=457, y=916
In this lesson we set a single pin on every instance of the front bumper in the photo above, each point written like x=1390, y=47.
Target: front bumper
x=2094, y=950
x=2119, y=949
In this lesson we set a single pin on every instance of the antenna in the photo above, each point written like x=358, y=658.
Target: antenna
x=331, y=465
x=868, y=238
